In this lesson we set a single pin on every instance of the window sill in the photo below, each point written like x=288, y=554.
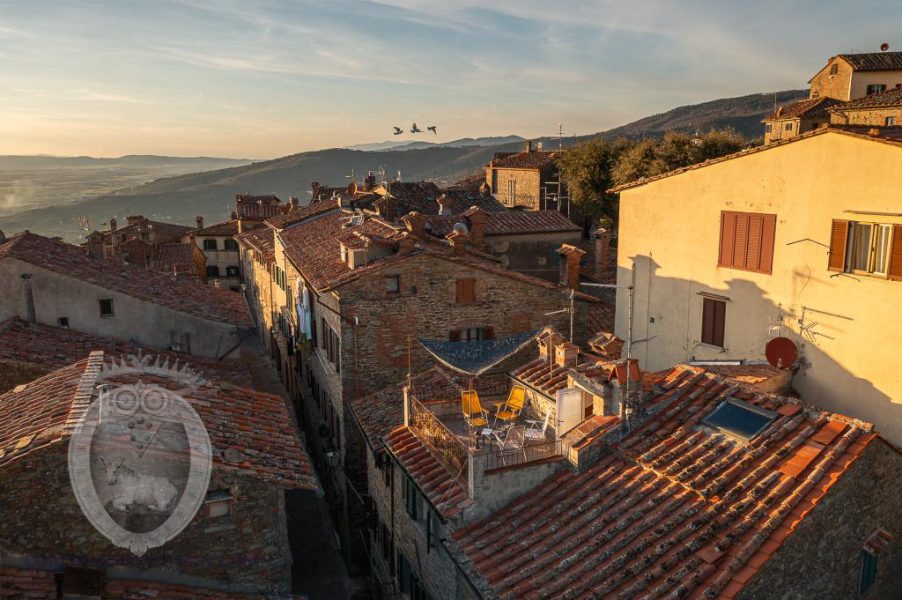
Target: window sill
x=743, y=269
x=711, y=347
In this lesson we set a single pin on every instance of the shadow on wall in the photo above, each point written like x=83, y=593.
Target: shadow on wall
x=667, y=329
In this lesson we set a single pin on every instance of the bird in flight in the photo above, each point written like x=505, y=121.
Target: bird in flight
x=398, y=130
x=415, y=129
x=432, y=128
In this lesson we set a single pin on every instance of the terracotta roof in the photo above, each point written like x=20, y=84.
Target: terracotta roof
x=472, y=182
x=54, y=348
x=885, y=99
x=548, y=377
x=874, y=61
x=380, y=413
x=890, y=135
x=676, y=508
x=250, y=431
x=262, y=239
x=443, y=491
x=510, y=222
x=809, y=107
x=182, y=295
x=158, y=231
x=751, y=373
x=422, y=196
x=175, y=259
x=227, y=228
x=301, y=214
x=524, y=160
x=258, y=199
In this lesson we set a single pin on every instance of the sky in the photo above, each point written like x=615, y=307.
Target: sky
x=254, y=79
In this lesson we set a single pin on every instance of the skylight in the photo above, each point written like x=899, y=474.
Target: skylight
x=739, y=419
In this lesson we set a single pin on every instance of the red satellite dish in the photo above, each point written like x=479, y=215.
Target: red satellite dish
x=781, y=352
x=884, y=47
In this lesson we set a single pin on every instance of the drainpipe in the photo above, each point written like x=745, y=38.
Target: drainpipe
x=29, y=297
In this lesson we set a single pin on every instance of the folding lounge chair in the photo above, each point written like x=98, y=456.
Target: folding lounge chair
x=475, y=416
x=510, y=410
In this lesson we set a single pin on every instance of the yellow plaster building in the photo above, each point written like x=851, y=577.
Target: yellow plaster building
x=801, y=238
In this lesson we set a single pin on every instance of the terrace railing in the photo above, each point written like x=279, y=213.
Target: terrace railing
x=509, y=457
x=452, y=452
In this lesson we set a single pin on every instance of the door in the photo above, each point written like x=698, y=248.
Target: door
x=569, y=410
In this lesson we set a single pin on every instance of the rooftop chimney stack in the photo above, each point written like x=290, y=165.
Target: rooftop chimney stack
x=200, y=222
x=369, y=182
x=444, y=204
x=569, y=273
x=415, y=223
x=387, y=208
x=566, y=355
x=477, y=218
x=602, y=253
x=293, y=201
x=314, y=187
x=528, y=146
x=113, y=224
x=458, y=239
x=29, y=297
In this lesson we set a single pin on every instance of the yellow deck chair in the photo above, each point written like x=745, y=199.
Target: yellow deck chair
x=474, y=414
x=510, y=410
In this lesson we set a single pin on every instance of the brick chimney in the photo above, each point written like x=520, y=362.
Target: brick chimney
x=415, y=223
x=570, y=257
x=293, y=202
x=113, y=224
x=548, y=343
x=29, y=297
x=602, y=253
x=369, y=182
x=477, y=218
x=406, y=243
x=444, y=204
x=566, y=354
x=314, y=187
x=387, y=208
x=626, y=381
x=528, y=146
x=234, y=216
x=200, y=222
x=458, y=240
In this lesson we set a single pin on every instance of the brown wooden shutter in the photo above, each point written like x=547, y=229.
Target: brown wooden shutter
x=713, y=321
x=466, y=290
x=895, y=255
x=741, y=243
x=727, y=238
x=707, y=320
x=753, y=252
x=839, y=235
x=454, y=336
x=768, y=236
x=720, y=319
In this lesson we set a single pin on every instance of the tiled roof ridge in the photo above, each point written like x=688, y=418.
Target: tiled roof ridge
x=84, y=390
x=851, y=131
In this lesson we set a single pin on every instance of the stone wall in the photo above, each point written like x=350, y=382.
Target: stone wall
x=876, y=117
x=247, y=549
x=527, y=186
x=822, y=557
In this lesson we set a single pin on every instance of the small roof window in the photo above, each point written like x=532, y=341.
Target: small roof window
x=739, y=419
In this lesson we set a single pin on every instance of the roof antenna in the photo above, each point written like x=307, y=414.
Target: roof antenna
x=560, y=136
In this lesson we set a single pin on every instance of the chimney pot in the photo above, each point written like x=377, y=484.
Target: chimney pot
x=528, y=146
x=566, y=354
x=569, y=270
x=200, y=222
x=444, y=204
x=477, y=219
x=113, y=224
x=602, y=253
x=458, y=240
x=415, y=223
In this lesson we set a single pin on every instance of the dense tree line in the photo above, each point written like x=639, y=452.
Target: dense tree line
x=591, y=168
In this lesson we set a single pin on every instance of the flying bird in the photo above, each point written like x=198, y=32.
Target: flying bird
x=398, y=130
x=416, y=129
x=432, y=129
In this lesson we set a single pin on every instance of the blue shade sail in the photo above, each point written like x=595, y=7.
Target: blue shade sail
x=739, y=419
x=474, y=358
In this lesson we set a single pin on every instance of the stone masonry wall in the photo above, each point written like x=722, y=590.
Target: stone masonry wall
x=822, y=558
x=42, y=526
x=528, y=187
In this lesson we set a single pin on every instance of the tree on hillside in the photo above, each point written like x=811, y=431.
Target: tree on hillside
x=592, y=168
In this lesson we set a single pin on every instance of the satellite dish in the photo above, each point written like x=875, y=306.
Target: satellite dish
x=781, y=352
x=884, y=47
x=352, y=188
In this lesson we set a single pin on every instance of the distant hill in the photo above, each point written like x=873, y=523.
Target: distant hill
x=419, y=145
x=212, y=193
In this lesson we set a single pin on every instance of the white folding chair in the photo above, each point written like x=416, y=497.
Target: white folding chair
x=534, y=433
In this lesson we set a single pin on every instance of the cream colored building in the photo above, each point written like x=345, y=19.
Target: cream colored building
x=850, y=76
x=801, y=239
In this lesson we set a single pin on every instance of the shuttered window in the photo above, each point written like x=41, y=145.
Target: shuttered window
x=471, y=334
x=866, y=248
x=714, y=316
x=747, y=241
x=466, y=290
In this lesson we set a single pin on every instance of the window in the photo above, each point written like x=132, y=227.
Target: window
x=875, y=88
x=834, y=69
x=868, y=571
x=714, y=313
x=739, y=419
x=218, y=504
x=408, y=582
x=430, y=530
x=889, y=121
x=232, y=271
x=747, y=241
x=210, y=245
x=768, y=128
x=393, y=284
x=866, y=248
x=512, y=191
x=471, y=334
x=213, y=271
x=230, y=244
x=466, y=290
x=411, y=497
x=106, y=307
x=788, y=126
x=63, y=322
x=145, y=236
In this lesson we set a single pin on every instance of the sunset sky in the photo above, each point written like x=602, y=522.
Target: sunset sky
x=265, y=79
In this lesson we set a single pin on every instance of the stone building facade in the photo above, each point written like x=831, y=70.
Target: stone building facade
x=218, y=244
